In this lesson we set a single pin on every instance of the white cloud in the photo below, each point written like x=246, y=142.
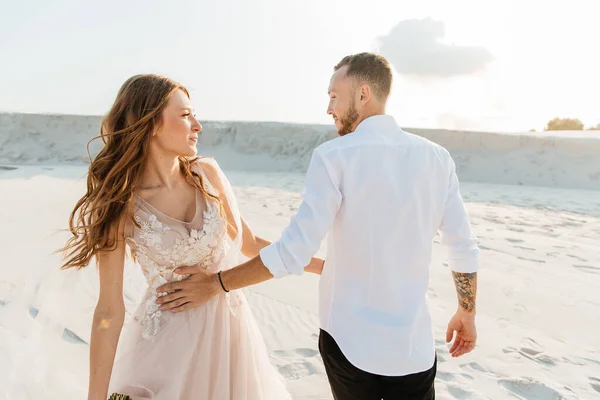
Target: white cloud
x=414, y=48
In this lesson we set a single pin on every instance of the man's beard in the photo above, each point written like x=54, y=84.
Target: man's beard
x=348, y=120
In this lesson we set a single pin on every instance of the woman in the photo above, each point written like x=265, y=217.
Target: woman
x=148, y=190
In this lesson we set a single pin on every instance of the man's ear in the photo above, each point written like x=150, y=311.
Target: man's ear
x=365, y=94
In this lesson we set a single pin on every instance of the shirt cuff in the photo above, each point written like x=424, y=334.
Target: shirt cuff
x=270, y=257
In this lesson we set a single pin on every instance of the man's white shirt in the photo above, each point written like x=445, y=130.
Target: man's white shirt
x=380, y=195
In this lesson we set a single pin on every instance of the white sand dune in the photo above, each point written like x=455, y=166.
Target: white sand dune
x=539, y=307
x=555, y=159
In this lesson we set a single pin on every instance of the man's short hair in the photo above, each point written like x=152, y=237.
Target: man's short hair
x=369, y=68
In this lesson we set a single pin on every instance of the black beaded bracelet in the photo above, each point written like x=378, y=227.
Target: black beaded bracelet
x=221, y=282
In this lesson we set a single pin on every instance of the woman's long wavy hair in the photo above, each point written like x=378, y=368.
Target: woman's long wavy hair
x=126, y=132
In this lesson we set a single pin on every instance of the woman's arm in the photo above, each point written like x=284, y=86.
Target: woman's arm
x=108, y=319
x=251, y=244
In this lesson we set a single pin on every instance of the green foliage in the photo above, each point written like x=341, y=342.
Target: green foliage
x=564, y=124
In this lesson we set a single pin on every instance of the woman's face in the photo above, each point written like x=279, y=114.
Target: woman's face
x=179, y=131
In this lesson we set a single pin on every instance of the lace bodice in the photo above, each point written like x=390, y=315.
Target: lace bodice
x=162, y=243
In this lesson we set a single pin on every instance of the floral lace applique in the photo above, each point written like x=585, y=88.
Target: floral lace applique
x=151, y=230
x=204, y=246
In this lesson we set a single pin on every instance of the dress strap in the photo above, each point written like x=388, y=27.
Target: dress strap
x=208, y=186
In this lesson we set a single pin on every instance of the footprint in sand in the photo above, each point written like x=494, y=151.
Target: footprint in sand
x=445, y=376
x=306, y=352
x=475, y=367
x=576, y=257
x=301, y=352
x=546, y=360
x=298, y=363
x=460, y=393
x=297, y=370
x=524, y=248
x=529, y=351
x=588, y=268
x=520, y=308
x=538, y=356
x=441, y=348
x=595, y=384
x=469, y=377
x=530, y=389
x=514, y=240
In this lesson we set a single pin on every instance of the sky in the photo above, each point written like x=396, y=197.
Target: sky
x=497, y=65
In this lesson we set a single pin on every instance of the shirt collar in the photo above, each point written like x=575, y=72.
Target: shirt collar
x=377, y=123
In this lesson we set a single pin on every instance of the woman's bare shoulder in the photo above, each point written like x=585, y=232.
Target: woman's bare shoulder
x=212, y=171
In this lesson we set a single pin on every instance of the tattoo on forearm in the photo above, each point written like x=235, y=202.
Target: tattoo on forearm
x=466, y=288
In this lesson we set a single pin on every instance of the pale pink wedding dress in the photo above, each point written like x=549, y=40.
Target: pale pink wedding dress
x=213, y=352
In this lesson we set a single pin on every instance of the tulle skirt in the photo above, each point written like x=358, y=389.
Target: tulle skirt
x=214, y=352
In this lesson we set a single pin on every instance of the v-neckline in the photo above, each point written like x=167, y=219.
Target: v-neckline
x=196, y=209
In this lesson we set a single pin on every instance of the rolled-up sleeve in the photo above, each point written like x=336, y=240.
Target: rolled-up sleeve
x=455, y=229
x=301, y=240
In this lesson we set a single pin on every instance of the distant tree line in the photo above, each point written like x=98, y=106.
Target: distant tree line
x=567, y=124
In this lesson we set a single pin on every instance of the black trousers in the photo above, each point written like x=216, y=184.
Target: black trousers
x=350, y=383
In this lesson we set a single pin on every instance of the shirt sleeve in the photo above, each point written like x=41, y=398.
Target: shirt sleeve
x=455, y=229
x=302, y=238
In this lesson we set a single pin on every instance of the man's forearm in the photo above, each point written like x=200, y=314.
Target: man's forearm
x=246, y=274
x=466, y=289
x=254, y=271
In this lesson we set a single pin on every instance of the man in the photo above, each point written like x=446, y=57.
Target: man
x=380, y=195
